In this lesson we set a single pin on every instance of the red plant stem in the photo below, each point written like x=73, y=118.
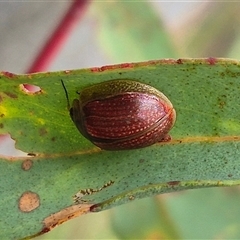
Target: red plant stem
x=51, y=48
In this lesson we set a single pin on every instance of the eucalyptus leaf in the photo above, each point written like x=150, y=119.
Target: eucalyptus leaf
x=39, y=189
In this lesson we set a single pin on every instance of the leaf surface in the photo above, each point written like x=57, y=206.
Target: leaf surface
x=37, y=189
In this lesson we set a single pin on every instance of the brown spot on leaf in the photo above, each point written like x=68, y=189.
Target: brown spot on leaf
x=222, y=101
x=107, y=67
x=112, y=67
x=127, y=65
x=1, y=125
x=9, y=74
x=131, y=197
x=179, y=61
x=32, y=154
x=53, y=139
x=173, y=183
x=132, y=65
x=42, y=131
x=28, y=201
x=95, y=208
x=2, y=115
x=222, y=104
x=212, y=61
x=141, y=160
x=95, y=69
x=11, y=95
x=232, y=74
x=66, y=214
x=222, y=74
x=27, y=164
x=45, y=230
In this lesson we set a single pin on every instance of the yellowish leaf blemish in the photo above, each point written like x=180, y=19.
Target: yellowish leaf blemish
x=28, y=201
x=27, y=164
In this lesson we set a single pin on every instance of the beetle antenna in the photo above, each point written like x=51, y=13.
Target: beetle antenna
x=66, y=93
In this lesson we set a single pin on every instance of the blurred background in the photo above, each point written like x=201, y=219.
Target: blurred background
x=110, y=32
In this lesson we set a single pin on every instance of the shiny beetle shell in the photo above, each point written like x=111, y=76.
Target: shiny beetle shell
x=123, y=114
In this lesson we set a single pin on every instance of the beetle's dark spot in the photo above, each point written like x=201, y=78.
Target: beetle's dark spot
x=53, y=139
x=42, y=131
x=120, y=73
x=1, y=125
x=2, y=115
x=30, y=88
x=11, y=95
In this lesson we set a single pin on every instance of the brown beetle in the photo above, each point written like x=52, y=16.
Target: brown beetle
x=122, y=114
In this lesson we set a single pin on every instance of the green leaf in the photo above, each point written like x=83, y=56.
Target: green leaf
x=209, y=33
x=133, y=32
x=37, y=190
x=182, y=215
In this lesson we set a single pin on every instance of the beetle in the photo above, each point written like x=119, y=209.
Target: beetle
x=122, y=114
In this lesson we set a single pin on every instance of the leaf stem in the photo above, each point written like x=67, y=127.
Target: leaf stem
x=51, y=48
